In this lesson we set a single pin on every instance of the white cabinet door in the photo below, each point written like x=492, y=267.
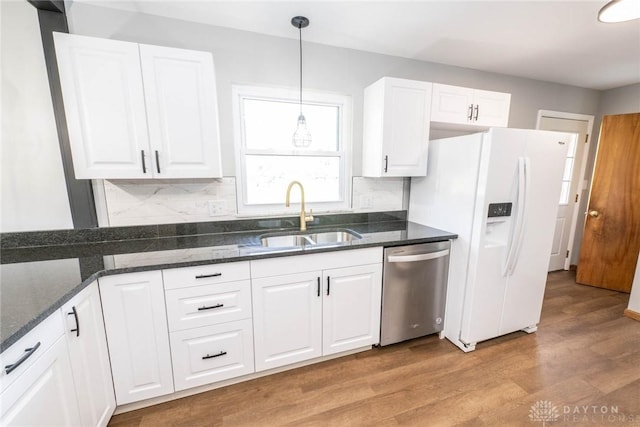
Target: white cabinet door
x=104, y=106
x=180, y=95
x=89, y=357
x=287, y=319
x=351, y=308
x=212, y=353
x=492, y=108
x=451, y=104
x=43, y=394
x=136, y=324
x=473, y=108
x=397, y=116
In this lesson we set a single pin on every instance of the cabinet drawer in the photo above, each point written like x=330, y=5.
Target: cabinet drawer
x=208, y=305
x=46, y=333
x=203, y=275
x=213, y=353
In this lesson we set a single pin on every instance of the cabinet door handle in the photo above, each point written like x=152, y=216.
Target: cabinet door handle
x=318, y=285
x=28, y=352
x=144, y=164
x=211, y=356
x=470, y=115
x=477, y=112
x=386, y=163
x=75, y=315
x=157, y=161
x=204, y=276
x=210, y=307
x=328, y=285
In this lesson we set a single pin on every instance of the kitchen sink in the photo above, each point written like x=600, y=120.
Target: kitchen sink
x=285, y=241
x=311, y=238
x=328, y=237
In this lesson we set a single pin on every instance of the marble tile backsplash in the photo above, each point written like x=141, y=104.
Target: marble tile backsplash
x=131, y=202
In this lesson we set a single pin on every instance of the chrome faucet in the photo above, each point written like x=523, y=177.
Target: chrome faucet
x=303, y=215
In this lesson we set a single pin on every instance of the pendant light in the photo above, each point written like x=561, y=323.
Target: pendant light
x=302, y=136
x=619, y=11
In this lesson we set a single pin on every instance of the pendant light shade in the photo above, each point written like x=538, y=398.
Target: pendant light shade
x=619, y=11
x=302, y=136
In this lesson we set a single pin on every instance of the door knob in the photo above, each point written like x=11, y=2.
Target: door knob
x=594, y=214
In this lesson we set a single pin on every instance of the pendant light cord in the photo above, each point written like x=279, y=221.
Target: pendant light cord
x=300, y=38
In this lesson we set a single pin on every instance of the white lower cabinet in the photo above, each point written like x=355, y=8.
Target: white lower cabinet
x=39, y=391
x=212, y=353
x=136, y=324
x=209, y=313
x=315, y=313
x=351, y=308
x=89, y=357
x=287, y=319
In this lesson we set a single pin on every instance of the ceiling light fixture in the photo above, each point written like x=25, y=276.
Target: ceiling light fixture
x=302, y=136
x=619, y=11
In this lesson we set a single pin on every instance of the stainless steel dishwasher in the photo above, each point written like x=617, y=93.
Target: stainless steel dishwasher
x=414, y=289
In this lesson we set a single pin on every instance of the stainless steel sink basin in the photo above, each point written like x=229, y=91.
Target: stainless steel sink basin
x=329, y=237
x=285, y=241
x=317, y=238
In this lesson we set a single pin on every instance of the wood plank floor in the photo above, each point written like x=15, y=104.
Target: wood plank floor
x=584, y=359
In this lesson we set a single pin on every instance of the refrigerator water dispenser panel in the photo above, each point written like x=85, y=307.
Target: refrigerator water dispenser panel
x=499, y=209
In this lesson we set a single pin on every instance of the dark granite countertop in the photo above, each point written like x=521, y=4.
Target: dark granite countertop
x=40, y=271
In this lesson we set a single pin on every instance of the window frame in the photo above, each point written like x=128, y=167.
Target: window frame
x=312, y=97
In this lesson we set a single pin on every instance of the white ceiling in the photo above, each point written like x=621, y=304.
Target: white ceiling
x=556, y=41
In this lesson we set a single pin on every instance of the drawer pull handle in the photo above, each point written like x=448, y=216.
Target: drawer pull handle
x=204, y=276
x=75, y=315
x=208, y=356
x=28, y=352
x=210, y=307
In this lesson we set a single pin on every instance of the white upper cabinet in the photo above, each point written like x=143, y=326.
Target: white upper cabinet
x=180, y=96
x=104, y=105
x=138, y=111
x=453, y=106
x=396, y=128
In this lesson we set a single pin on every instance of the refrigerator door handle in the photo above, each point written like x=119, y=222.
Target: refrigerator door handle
x=420, y=257
x=517, y=235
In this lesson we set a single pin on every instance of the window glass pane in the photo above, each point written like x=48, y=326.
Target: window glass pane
x=564, y=194
x=572, y=147
x=568, y=169
x=270, y=124
x=269, y=176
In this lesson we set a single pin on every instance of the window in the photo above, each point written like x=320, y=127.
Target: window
x=267, y=161
x=568, y=171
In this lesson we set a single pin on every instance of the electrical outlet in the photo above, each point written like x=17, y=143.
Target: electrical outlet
x=217, y=207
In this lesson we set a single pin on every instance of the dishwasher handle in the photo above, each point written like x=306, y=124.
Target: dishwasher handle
x=419, y=257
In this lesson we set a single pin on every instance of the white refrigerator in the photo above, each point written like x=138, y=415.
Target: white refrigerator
x=499, y=190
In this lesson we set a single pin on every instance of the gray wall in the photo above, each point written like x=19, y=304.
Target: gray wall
x=250, y=58
x=34, y=193
x=621, y=100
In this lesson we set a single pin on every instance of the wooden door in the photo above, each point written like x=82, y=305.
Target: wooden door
x=611, y=238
